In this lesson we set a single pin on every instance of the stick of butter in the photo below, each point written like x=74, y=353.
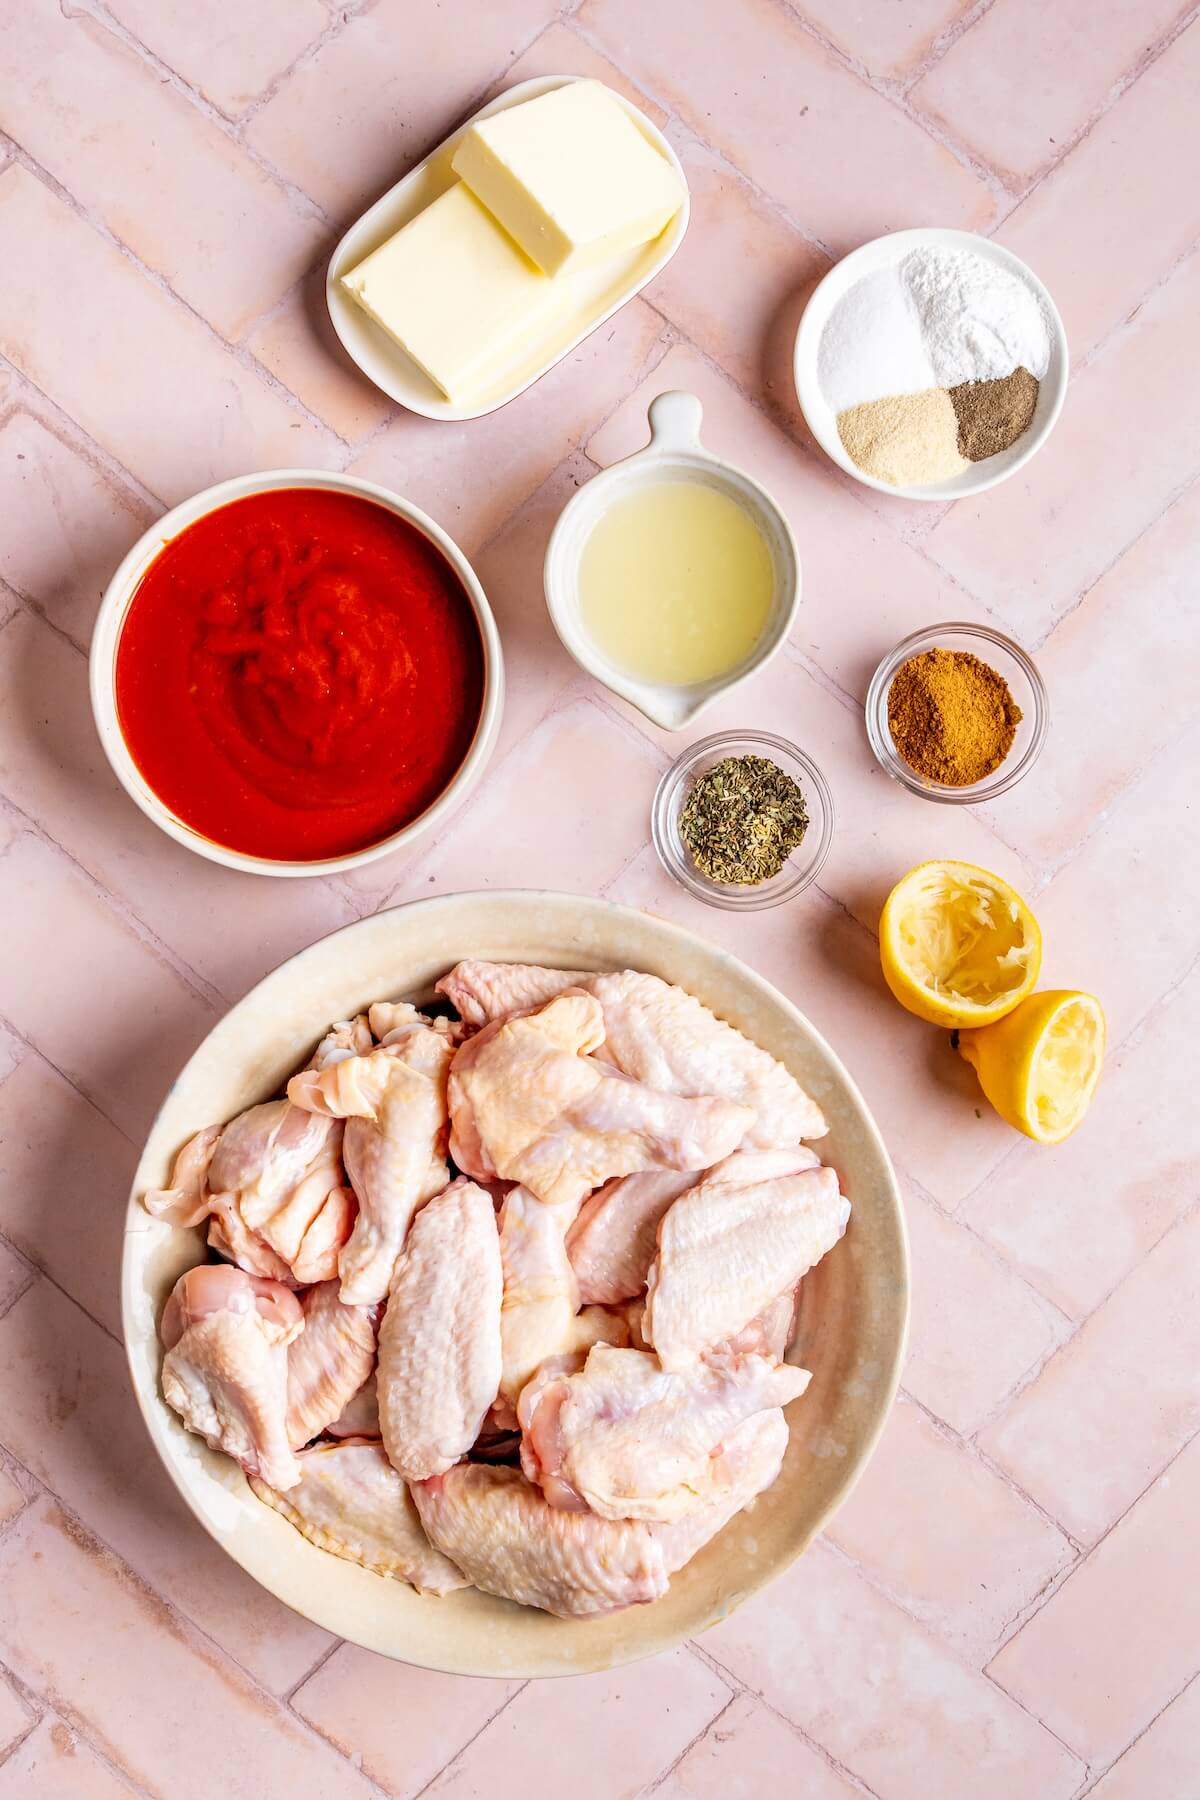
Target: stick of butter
x=570, y=176
x=455, y=293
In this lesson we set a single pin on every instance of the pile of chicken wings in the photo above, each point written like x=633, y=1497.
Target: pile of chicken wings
x=503, y=1299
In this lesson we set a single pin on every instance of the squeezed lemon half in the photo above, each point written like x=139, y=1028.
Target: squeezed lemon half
x=1039, y=1065
x=958, y=945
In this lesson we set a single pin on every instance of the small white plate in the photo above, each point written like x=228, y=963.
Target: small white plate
x=881, y=253
x=674, y=451
x=588, y=298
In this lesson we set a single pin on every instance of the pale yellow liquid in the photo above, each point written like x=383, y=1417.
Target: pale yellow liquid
x=675, y=583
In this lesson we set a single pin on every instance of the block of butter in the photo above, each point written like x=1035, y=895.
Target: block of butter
x=454, y=291
x=570, y=176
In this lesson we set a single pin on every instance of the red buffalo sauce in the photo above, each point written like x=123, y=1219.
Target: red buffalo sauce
x=300, y=674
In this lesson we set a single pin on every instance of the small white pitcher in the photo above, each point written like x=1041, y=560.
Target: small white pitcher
x=673, y=453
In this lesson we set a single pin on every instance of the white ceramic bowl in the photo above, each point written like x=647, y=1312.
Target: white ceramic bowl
x=673, y=453
x=868, y=259
x=107, y=633
x=850, y=1331
x=589, y=297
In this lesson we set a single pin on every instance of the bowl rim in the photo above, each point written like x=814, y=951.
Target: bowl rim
x=879, y=736
x=734, y=899
x=807, y=344
x=674, y=450
x=164, y=1428
x=118, y=597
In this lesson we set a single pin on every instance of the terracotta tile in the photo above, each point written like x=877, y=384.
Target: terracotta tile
x=972, y=1553
x=982, y=88
x=62, y=940
x=1032, y=547
x=472, y=476
x=561, y=51
x=54, y=1763
x=149, y=383
x=1112, y=1408
x=1136, y=945
x=15, y=1275
x=124, y=1642
x=351, y=120
x=66, y=524
x=50, y=759
x=853, y=609
x=1118, y=1639
x=647, y=1714
x=87, y=106
x=1073, y=1249
x=12, y=1498
x=784, y=109
x=890, y=42
x=739, y=283
x=298, y=344
x=1104, y=227
x=231, y=56
x=976, y=1328
x=11, y=1052
x=73, y=1422
x=15, y=1716
x=870, y=1686
x=1121, y=670
x=52, y=1142
x=541, y=809
x=747, y=1752
x=405, y=1724
x=1163, y=1760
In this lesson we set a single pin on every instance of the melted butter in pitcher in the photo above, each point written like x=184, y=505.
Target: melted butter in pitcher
x=675, y=583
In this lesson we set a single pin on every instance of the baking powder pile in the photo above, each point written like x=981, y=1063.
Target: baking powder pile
x=932, y=364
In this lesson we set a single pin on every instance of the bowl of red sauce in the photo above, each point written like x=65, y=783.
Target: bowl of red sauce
x=295, y=673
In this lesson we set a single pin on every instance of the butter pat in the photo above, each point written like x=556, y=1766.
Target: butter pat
x=455, y=293
x=570, y=176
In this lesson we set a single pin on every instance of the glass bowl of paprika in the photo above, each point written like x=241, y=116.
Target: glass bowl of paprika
x=957, y=713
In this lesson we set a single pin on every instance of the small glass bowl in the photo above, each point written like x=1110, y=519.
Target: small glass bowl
x=1027, y=688
x=802, y=866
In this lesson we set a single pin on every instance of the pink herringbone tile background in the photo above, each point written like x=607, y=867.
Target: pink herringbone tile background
x=1009, y=1605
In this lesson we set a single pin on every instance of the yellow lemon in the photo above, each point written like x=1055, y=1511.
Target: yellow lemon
x=959, y=947
x=1039, y=1065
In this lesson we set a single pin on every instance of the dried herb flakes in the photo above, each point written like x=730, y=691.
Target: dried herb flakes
x=742, y=819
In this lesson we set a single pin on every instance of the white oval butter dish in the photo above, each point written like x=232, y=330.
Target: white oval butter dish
x=674, y=453
x=589, y=297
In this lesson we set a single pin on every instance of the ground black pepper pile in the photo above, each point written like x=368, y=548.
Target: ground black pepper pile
x=993, y=414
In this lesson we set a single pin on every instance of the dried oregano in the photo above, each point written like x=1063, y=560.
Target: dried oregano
x=742, y=820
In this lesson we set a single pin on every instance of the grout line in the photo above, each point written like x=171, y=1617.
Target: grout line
x=463, y=1748
x=703, y=1732
x=945, y=41
x=23, y=1287
x=40, y=1272
x=289, y=1696
x=32, y=1701
x=30, y=402
x=1098, y=1774
x=36, y=1050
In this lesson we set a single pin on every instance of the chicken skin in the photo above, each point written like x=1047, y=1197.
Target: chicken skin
x=439, y=1345
x=529, y=1104
x=394, y=1101
x=747, y=1463
x=613, y=1240
x=629, y=1441
x=656, y=1034
x=226, y=1336
x=329, y=1362
x=359, y=1418
x=496, y=1527
x=732, y=1245
x=350, y=1501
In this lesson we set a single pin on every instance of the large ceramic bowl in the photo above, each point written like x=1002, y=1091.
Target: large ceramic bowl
x=850, y=1330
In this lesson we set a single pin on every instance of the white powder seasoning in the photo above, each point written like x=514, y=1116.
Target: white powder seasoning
x=872, y=344
x=978, y=321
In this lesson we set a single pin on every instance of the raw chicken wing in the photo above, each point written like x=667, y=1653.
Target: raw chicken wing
x=529, y=1104
x=329, y=1362
x=226, y=1335
x=360, y=1415
x=540, y=1317
x=350, y=1501
x=496, y=1527
x=394, y=1099
x=748, y=1461
x=612, y=1242
x=630, y=1441
x=439, y=1345
x=730, y=1246
x=656, y=1033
